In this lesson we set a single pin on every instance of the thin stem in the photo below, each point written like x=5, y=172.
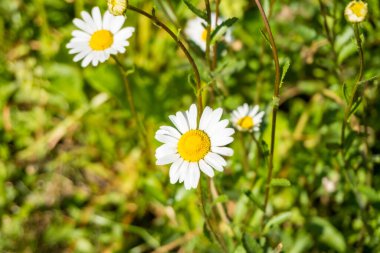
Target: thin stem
x=208, y=37
x=131, y=103
x=359, y=78
x=347, y=113
x=275, y=105
x=215, y=48
x=160, y=24
x=331, y=38
x=245, y=153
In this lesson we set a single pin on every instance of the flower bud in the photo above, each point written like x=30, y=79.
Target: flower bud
x=117, y=7
x=356, y=11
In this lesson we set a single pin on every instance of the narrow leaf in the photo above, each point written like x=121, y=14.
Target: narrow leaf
x=221, y=29
x=195, y=10
x=280, y=182
x=255, y=200
x=285, y=69
x=277, y=220
x=250, y=244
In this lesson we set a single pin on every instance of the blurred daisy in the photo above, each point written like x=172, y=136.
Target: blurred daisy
x=246, y=118
x=191, y=148
x=98, y=37
x=356, y=11
x=117, y=7
x=195, y=30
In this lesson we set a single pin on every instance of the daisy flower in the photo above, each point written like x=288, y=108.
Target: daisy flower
x=98, y=37
x=246, y=118
x=356, y=11
x=117, y=7
x=191, y=148
x=195, y=30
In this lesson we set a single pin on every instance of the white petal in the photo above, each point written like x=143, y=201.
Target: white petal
x=97, y=17
x=117, y=23
x=254, y=111
x=87, y=60
x=175, y=171
x=107, y=19
x=165, y=138
x=171, y=131
x=184, y=167
x=196, y=176
x=89, y=21
x=205, y=168
x=124, y=34
x=221, y=141
x=83, y=25
x=205, y=118
x=80, y=34
x=167, y=159
x=192, y=116
x=212, y=162
x=81, y=55
x=222, y=151
x=165, y=149
x=214, y=117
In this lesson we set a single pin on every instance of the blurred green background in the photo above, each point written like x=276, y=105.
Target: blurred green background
x=74, y=176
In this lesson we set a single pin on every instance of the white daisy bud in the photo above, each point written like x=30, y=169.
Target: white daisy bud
x=117, y=7
x=356, y=11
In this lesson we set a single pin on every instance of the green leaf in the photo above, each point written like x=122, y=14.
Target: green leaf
x=221, y=199
x=250, y=244
x=280, y=182
x=195, y=10
x=277, y=220
x=285, y=69
x=221, y=29
x=370, y=193
x=257, y=202
x=345, y=92
x=327, y=234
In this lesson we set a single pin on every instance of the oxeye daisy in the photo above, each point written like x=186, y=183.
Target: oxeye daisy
x=195, y=30
x=98, y=37
x=191, y=148
x=356, y=11
x=117, y=7
x=246, y=118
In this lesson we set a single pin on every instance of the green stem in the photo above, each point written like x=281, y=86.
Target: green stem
x=208, y=37
x=160, y=24
x=347, y=113
x=131, y=103
x=331, y=39
x=275, y=106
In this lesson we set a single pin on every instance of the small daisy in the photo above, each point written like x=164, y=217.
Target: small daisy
x=191, y=148
x=98, y=37
x=356, y=11
x=195, y=30
x=117, y=7
x=246, y=118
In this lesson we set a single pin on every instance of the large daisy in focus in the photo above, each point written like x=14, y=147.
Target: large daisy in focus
x=195, y=30
x=191, y=148
x=246, y=118
x=98, y=37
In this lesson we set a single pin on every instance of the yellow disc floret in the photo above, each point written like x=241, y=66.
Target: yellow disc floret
x=245, y=122
x=204, y=35
x=101, y=40
x=359, y=8
x=194, y=145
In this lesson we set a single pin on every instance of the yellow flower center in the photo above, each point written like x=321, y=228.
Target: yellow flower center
x=194, y=145
x=101, y=40
x=245, y=122
x=358, y=9
x=204, y=35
